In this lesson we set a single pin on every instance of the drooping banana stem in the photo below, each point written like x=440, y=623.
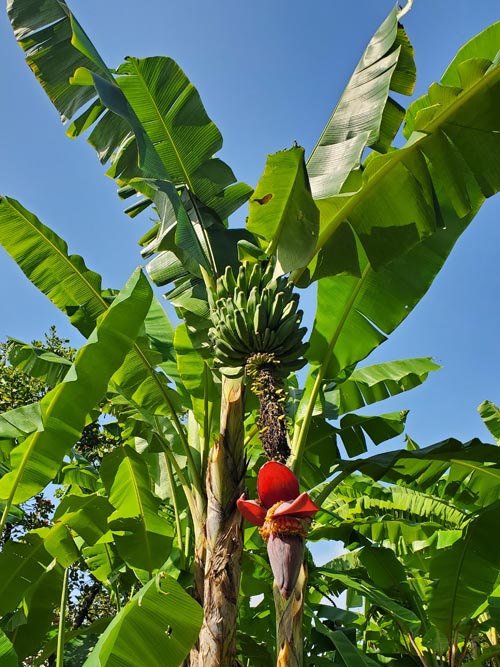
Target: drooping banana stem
x=224, y=536
x=289, y=630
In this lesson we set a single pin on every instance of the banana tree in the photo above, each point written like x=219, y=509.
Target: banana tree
x=202, y=406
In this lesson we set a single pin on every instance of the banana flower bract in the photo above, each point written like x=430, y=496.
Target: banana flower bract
x=283, y=516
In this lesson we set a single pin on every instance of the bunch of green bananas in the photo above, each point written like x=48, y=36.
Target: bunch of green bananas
x=255, y=313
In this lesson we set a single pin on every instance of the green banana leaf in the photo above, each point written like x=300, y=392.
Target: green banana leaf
x=282, y=211
x=466, y=573
x=20, y=422
x=423, y=467
x=371, y=384
x=43, y=256
x=353, y=430
x=490, y=414
x=383, y=566
x=103, y=561
x=450, y=161
x=365, y=114
x=160, y=623
x=8, y=657
x=142, y=537
x=405, y=617
x=472, y=474
x=355, y=314
x=64, y=409
x=23, y=563
x=387, y=514
x=87, y=515
x=147, y=118
x=37, y=362
x=40, y=604
x=349, y=652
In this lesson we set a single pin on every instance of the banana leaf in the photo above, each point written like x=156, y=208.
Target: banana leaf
x=365, y=115
x=64, y=409
x=142, y=537
x=8, y=656
x=450, y=161
x=490, y=414
x=466, y=573
x=161, y=620
x=37, y=362
x=371, y=384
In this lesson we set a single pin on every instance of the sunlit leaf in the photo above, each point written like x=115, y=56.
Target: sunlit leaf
x=142, y=536
x=365, y=114
x=282, y=210
x=161, y=620
x=490, y=414
x=65, y=408
x=466, y=573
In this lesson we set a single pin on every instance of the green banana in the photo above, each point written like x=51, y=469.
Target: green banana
x=242, y=328
x=226, y=332
x=255, y=276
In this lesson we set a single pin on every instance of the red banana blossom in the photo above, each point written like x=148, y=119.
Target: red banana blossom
x=283, y=516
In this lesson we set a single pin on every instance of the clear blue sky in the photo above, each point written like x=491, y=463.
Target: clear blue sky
x=269, y=73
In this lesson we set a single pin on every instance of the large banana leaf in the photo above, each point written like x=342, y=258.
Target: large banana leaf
x=405, y=617
x=282, y=211
x=357, y=313
x=22, y=564
x=490, y=414
x=43, y=256
x=449, y=162
x=371, y=384
x=87, y=515
x=37, y=362
x=472, y=471
x=142, y=536
x=157, y=627
x=64, y=409
x=365, y=114
x=39, y=605
x=147, y=118
x=386, y=514
x=8, y=657
x=353, y=430
x=466, y=573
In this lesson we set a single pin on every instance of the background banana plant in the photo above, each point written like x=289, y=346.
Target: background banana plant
x=156, y=521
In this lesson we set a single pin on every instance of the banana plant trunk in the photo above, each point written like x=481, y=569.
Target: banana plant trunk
x=289, y=629
x=224, y=533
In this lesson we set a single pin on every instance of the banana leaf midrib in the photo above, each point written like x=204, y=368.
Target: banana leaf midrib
x=490, y=78
x=302, y=432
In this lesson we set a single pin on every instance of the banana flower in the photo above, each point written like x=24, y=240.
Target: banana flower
x=283, y=516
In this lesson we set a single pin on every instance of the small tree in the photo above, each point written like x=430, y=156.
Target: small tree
x=201, y=407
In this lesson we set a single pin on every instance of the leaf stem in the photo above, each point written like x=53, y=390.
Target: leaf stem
x=303, y=431
x=195, y=513
x=175, y=504
x=62, y=620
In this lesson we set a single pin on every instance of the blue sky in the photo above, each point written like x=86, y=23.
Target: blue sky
x=269, y=73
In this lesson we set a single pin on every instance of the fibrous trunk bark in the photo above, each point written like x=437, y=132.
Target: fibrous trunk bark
x=224, y=533
x=289, y=633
